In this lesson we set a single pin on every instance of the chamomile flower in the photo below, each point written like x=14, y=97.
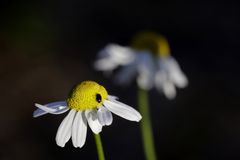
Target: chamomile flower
x=148, y=60
x=89, y=103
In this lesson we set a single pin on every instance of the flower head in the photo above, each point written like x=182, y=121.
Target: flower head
x=148, y=59
x=89, y=103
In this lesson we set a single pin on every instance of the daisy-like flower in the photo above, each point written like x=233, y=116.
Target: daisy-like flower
x=89, y=103
x=148, y=59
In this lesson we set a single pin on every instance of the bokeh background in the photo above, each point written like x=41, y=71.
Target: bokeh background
x=48, y=46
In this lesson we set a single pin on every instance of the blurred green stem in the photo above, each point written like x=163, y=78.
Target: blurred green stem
x=146, y=128
x=99, y=147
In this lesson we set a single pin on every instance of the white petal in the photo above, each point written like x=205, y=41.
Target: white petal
x=45, y=108
x=119, y=54
x=174, y=71
x=160, y=78
x=93, y=122
x=169, y=90
x=79, y=130
x=104, y=116
x=179, y=79
x=146, y=70
x=64, y=130
x=56, y=104
x=38, y=112
x=164, y=85
x=105, y=64
x=53, y=108
x=113, y=56
x=123, y=110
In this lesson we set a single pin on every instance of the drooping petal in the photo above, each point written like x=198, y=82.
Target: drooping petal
x=160, y=78
x=169, y=90
x=123, y=110
x=104, y=116
x=146, y=70
x=93, y=122
x=79, y=130
x=164, y=85
x=179, y=79
x=64, y=130
x=171, y=66
x=53, y=108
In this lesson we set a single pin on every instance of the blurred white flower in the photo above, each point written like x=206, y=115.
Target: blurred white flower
x=149, y=61
x=89, y=103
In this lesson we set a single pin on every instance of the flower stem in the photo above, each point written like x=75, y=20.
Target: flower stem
x=146, y=128
x=99, y=147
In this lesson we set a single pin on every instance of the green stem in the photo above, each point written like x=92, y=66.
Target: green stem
x=99, y=147
x=146, y=128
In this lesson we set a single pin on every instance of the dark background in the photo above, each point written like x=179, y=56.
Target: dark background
x=48, y=46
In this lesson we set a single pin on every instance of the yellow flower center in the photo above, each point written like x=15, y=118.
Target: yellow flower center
x=153, y=42
x=86, y=95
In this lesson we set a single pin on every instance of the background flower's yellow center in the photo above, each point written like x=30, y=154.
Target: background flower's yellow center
x=87, y=95
x=153, y=42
